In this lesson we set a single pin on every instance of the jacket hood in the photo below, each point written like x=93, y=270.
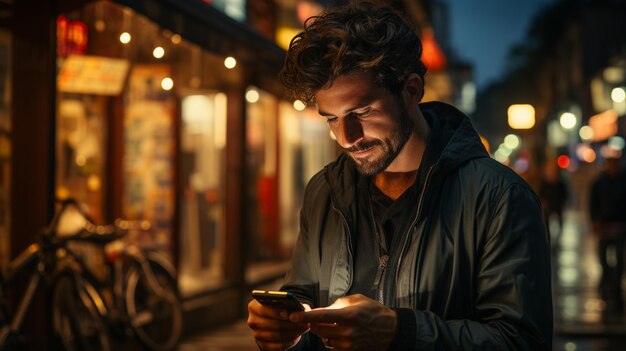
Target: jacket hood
x=460, y=140
x=460, y=144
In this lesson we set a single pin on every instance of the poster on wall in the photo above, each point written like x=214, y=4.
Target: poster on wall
x=149, y=147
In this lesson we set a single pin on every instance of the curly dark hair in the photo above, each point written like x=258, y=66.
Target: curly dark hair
x=363, y=37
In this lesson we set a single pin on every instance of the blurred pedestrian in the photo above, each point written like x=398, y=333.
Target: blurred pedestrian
x=608, y=218
x=414, y=238
x=553, y=194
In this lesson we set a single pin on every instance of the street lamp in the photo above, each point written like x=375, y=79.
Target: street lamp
x=521, y=116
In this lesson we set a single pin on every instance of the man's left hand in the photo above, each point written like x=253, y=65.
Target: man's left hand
x=353, y=323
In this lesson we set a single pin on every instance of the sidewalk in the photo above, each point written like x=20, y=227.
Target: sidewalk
x=235, y=337
x=581, y=320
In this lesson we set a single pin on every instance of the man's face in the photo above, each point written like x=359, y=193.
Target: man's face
x=370, y=123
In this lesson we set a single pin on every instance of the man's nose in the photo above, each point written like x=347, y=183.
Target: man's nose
x=348, y=131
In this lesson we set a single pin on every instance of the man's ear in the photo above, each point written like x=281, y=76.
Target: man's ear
x=413, y=89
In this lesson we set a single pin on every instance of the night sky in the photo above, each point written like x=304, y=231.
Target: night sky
x=483, y=31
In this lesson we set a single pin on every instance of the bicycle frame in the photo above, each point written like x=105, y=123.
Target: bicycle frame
x=52, y=259
x=28, y=257
x=42, y=257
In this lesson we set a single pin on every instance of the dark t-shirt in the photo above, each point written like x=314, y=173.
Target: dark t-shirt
x=382, y=222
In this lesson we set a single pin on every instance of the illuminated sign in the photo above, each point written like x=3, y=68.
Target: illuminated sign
x=71, y=37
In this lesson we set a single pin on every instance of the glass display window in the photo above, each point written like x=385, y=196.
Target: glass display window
x=261, y=184
x=285, y=146
x=149, y=152
x=203, y=142
x=129, y=135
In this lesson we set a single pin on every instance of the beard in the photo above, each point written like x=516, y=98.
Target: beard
x=390, y=147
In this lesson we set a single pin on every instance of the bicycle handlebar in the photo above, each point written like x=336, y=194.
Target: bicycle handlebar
x=83, y=228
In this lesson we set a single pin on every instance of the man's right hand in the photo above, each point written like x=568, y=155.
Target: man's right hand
x=271, y=327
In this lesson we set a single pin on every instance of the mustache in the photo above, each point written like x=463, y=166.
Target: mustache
x=364, y=145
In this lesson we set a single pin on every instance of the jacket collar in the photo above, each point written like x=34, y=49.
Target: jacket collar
x=460, y=144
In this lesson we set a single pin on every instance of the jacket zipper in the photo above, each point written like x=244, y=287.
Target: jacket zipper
x=382, y=264
x=383, y=258
x=419, y=211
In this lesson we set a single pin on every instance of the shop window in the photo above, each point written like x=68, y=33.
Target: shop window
x=5, y=145
x=81, y=151
x=285, y=147
x=149, y=147
x=129, y=135
x=261, y=183
x=203, y=139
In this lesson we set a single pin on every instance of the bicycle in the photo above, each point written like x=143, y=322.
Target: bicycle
x=138, y=296
x=41, y=259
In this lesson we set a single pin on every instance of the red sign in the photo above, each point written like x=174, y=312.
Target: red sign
x=432, y=55
x=71, y=37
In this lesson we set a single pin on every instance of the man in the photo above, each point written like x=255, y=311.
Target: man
x=414, y=238
x=608, y=218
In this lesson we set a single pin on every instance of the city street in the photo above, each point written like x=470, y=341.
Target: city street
x=582, y=322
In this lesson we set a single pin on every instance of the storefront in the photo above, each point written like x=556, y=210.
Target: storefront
x=168, y=111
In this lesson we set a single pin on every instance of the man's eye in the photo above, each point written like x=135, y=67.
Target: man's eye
x=363, y=114
x=332, y=120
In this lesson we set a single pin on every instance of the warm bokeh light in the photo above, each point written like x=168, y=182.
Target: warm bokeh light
x=586, y=133
x=176, y=39
x=604, y=125
x=512, y=141
x=99, y=25
x=500, y=156
x=618, y=95
x=81, y=160
x=432, y=54
x=563, y=161
x=521, y=116
x=62, y=193
x=568, y=120
x=94, y=183
x=125, y=38
x=585, y=152
x=158, y=52
x=299, y=105
x=284, y=36
x=505, y=150
x=230, y=62
x=252, y=96
x=167, y=83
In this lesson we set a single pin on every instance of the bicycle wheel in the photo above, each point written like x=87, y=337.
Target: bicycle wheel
x=76, y=321
x=155, y=317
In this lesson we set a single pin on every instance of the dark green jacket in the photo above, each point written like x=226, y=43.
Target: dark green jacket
x=473, y=272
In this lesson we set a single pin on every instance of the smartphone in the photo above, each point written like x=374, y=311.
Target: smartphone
x=278, y=299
